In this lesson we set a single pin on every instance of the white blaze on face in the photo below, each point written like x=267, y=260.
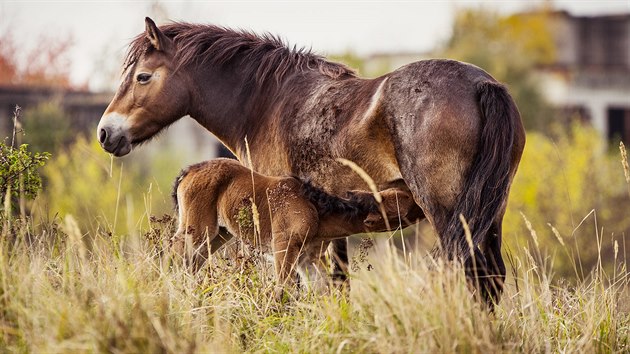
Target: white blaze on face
x=115, y=124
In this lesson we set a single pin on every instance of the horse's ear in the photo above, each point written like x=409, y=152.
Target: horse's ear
x=157, y=39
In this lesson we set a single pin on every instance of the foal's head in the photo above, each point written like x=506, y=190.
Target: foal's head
x=153, y=94
x=396, y=204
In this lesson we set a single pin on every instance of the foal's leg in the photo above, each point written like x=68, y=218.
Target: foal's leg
x=197, y=226
x=286, y=251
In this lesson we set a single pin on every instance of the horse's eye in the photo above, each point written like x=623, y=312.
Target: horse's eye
x=143, y=78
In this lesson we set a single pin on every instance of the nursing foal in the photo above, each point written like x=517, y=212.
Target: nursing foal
x=292, y=220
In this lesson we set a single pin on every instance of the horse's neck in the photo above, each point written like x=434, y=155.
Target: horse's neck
x=221, y=104
x=256, y=116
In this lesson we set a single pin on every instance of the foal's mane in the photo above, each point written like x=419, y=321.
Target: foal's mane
x=356, y=205
x=263, y=56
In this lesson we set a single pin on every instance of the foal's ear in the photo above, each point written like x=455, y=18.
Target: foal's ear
x=157, y=39
x=372, y=220
x=396, y=202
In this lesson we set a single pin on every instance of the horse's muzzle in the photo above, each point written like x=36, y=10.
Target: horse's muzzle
x=111, y=134
x=118, y=147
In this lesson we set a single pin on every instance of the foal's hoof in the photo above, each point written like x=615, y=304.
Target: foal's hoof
x=281, y=296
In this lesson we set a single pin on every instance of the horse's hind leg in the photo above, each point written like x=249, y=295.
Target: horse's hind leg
x=485, y=268
x=496, y=270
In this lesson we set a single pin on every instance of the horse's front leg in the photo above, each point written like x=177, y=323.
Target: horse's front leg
x=338, y=251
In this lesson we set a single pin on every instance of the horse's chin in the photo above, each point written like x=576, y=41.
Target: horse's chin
x=122, y=151
x=122, y=148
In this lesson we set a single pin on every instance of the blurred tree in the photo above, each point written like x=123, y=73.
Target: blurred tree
x=570, y=183
x=352, y=60
x=158, y=12
x=47, y=127
x=47, y=64
x=82, y=180
x=8, y=68
x=509, y=48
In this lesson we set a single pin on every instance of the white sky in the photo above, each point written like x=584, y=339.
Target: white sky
x=102, y=29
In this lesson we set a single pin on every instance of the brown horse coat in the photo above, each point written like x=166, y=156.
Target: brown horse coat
x=445, y=130
x=296, y=220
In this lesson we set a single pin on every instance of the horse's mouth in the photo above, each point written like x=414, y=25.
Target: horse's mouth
x=122, y=148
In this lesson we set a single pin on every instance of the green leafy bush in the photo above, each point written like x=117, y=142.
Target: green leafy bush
x=19, y=178
x=19, y=166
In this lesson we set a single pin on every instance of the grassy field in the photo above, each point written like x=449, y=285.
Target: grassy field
x=87, y=273
x=61, y=294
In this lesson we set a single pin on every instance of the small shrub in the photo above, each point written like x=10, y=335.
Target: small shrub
x=19, y=177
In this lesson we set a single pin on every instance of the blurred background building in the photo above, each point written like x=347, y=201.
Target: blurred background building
x=590, y=76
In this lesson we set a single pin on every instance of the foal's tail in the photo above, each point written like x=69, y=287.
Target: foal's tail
x=178, y=180
x=486, y=188
x=357, y=204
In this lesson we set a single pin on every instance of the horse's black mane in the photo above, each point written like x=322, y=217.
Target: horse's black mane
x=264, y=56
x=355, y=205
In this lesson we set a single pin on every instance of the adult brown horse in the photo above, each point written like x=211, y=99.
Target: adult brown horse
x=446, y=129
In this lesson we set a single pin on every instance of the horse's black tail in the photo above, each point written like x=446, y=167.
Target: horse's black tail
x=178, y=180
x=486, y=187
x=357, y=204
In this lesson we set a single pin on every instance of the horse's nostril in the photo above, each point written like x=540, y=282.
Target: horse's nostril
x=102, y=136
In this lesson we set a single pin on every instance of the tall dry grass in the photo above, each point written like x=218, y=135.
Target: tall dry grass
x=122, y=295
x=72, y=285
